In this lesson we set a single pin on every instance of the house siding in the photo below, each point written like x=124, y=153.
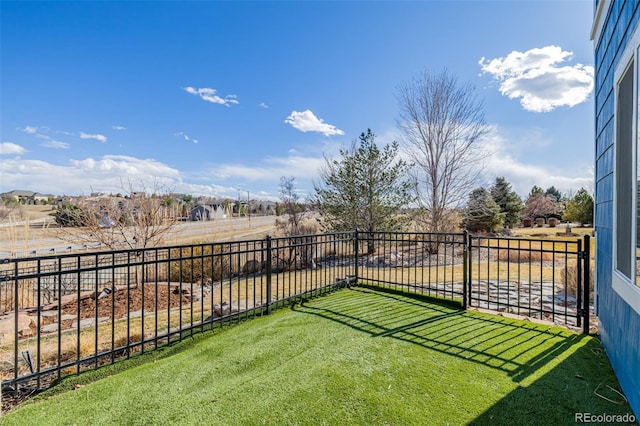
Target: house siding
x=619, y=326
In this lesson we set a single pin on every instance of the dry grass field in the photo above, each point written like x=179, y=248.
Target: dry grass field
x=33, y=228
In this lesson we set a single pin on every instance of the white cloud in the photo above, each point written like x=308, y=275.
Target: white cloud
x=208, y=94
x=272, y=169
x=537, y=79
x=185, y=137
x=118, y=127
x=122, y=165
x=10, y=148
x=56, y=144
x=306, y=121
x=97, y=136
x=79, y=176
x=263, y=105
x=523, y=176
x=29, y=129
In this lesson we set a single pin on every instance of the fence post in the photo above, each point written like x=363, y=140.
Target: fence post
x=465, y=263
x=268, y=241
x=579, y=284
x=586, y=260
x=356, y=247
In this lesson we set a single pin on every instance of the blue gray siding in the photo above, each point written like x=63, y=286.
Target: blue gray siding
x=619, y=323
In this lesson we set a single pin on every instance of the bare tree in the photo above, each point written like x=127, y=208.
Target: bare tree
x=540, y=204
x=135, y=221
x=296, y=225
x=442, y=125
x=294, y=210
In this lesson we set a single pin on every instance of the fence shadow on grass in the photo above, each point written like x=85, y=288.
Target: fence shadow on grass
x=571, y=377
x=581, y=385
x=495, y=341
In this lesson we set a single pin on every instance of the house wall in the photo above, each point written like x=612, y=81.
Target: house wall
x=619, y=326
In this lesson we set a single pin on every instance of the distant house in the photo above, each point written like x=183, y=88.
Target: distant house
x=207, y=212
x=26, y=197
x=616, y=36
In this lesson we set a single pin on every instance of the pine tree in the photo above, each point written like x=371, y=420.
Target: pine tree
x=509, y=202
x=553, y=191
x=481, y=213
x=365, y=189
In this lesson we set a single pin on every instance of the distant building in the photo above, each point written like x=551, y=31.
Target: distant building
x=26, y=197
x=207, y=212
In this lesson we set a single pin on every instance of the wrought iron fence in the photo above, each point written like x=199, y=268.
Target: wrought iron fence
x=63, y=314
x=543, y=279
x=533, y=278
x=426, y=263
x=68, y=313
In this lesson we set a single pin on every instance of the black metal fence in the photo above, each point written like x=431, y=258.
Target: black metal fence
x=543, y=279
x=68, y=313
x=64, y=314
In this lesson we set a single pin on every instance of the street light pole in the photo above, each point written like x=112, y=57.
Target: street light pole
x=248, y=208
x=248, y=204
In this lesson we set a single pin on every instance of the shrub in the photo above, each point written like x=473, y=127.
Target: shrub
x=200, y=263
x=569, y=278
x=519, y=256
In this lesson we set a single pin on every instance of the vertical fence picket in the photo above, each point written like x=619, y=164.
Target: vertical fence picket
x=586, y=267
x=291, y=269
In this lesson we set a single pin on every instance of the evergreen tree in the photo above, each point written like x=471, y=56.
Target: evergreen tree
x=536, y=190
x=509, y=202
x=365, y=189
x=579, y=208
x=481, y=213
x=553, y=192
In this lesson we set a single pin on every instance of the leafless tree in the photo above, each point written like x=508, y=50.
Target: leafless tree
x=540, y=204
x=9, y=210
x=293, y=209
x=135, y=221
x=295, y=224
x=443, y=125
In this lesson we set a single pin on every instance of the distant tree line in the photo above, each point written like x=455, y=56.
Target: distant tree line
x=501, y=207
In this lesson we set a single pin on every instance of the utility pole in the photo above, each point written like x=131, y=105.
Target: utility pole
x=248, y=208
x=248, y=204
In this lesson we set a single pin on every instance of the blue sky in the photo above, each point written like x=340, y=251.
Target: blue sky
x=220, y=98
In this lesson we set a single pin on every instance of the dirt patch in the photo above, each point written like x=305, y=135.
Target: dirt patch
x=119, y=303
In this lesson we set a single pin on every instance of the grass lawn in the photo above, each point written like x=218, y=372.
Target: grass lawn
x=356, y=356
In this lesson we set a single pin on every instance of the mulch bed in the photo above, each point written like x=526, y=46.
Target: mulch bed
x=116, y=305
x=120, y=303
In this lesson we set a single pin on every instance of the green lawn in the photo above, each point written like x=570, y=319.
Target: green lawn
x=353, y=357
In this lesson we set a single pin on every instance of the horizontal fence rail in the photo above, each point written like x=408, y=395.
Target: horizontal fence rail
x=426, y=263
x=540, y=279
x=63, y=314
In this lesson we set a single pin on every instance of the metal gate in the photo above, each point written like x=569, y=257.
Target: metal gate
x=536, y=278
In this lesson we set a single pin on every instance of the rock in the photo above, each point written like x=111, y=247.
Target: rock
x=89, y=321
x=7, y=326
x=50, y=328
